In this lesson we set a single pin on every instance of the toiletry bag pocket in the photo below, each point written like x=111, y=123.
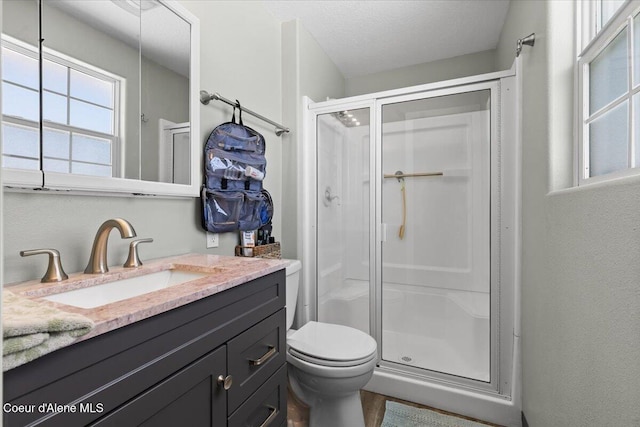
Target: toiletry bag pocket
x=251, y=216
x=231, y=170
x=237, y=137
x=221, y=210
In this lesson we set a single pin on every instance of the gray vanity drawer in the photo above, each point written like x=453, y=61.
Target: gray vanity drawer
x=254, y=356
x=267, y=407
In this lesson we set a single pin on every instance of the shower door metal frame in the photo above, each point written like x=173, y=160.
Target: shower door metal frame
x=494, y=237
x=308, y=201
x=502, y=394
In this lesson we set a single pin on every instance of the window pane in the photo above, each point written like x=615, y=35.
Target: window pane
x=607, y=9
x=20, y=163
x=54, y=107
x=89, y=169
x=91, y=89
x=54, y=77
x=20, y=102
x=20, y=141
x=608, y=73
x=89, y=149
x=91, y=117
x=53, y=165
x=56, y=143
x=608, y=142
x=19, y=68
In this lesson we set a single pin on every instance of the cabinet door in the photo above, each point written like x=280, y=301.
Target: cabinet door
x=190, y=397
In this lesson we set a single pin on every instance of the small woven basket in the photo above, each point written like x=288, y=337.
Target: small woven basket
x=271, y=251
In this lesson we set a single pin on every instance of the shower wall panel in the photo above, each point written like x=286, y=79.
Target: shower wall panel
x=445, y=242
x=343, y=219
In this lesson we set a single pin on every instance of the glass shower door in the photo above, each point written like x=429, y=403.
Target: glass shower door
x=343, y=212
x=435, y=203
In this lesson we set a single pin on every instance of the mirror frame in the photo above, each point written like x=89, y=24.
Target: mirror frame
x=40, y=180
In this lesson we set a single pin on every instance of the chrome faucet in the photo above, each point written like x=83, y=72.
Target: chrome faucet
x=98, y=260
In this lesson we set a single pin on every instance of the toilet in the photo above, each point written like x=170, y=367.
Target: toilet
x=328, y=364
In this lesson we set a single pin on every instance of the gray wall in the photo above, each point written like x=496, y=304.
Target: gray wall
x=244, y=33
x=581, y=247
x=306, y=71
x=444, y=69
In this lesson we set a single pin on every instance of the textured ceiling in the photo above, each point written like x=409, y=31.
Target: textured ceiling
x=364, y=37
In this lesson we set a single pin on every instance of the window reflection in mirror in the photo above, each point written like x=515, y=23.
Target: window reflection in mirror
x=91, y=95
x=20, y=86
x=115, y=89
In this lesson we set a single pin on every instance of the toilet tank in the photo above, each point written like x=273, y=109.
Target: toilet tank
x=291, y=289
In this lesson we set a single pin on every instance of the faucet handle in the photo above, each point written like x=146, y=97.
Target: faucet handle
x=133, y=260
x=54, y=273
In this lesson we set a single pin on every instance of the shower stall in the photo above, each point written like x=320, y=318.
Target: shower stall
x=410, y=234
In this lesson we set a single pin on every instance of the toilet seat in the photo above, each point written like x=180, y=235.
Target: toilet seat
x=327, y=344
x=330, y=363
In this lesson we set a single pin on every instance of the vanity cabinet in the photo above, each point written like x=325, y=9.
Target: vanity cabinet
x=168, y=369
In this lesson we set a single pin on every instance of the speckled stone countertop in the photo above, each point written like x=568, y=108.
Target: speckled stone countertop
x=226, y=272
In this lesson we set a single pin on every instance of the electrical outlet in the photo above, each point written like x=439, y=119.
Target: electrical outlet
x=212, y=240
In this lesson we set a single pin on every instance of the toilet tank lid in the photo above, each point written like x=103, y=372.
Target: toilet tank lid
x=294, y=266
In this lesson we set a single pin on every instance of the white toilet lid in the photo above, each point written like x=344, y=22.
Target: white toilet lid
x=329, y=342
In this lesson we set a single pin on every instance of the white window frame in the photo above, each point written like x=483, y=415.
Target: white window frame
x=593, y=40
x=69, y=62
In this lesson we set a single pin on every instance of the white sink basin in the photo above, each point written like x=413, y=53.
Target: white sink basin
x=106, y=293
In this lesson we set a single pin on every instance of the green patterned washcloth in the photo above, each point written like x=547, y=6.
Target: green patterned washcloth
x=32, y=329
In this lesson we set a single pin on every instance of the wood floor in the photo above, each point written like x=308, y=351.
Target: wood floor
x=373, y=406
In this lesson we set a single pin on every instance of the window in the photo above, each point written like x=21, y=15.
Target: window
x=609, y=90
x=80, y=113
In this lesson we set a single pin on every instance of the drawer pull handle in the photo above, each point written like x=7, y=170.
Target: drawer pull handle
x=225, y=382
x=268, y=355
x=272, y=416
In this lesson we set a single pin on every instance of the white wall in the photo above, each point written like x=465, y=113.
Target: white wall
x=235, y=36
x=306, y=71
x=444, y=69
x=581, y=248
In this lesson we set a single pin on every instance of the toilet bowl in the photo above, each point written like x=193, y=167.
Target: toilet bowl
x=328, y=364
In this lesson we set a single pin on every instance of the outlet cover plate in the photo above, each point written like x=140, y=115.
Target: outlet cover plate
x=212, y=240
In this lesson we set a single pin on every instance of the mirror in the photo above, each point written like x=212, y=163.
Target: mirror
x=20, y=86
x=116, y=85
